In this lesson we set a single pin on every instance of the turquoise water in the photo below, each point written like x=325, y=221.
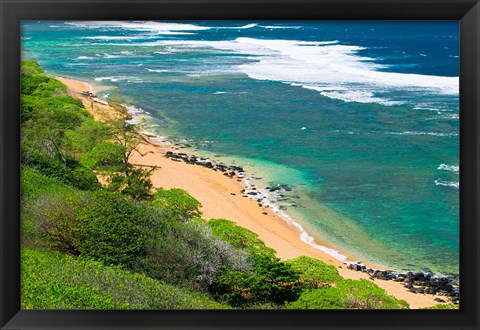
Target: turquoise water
x=359, y=118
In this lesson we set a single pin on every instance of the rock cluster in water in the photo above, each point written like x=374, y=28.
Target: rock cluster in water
x=417, y=282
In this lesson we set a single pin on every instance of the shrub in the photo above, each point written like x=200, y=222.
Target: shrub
x=34, y=81
x=85, y=137
x=33, y=186
x=83, y=178
x=187, y=254
x=444, y=306
x=105, y=156
x=270, y=281
x=239, y=237
x=181, y=205
x=31, y=67
x=78, y=176
x=348, y=294
x=101, y=225
x=314, y=273
x=63, y=110
x=112, y=229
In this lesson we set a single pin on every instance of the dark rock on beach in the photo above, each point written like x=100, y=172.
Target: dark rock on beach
x=417, y=282
x=228, y=170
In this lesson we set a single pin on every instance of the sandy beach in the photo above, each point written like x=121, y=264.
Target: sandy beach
x=220, y=197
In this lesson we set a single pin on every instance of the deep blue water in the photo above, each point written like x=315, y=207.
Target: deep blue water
x=360, y=118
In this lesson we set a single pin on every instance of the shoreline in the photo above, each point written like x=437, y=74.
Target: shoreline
x=221, y=197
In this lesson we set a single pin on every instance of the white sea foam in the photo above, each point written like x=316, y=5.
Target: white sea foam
x=113, y=78
x=451, y=116
x=445, y=113
x=247, y=26
x=440, y=182
x=157, y=27
x=78, y=64
x=359, y=95
x=305, y=237
x=155, y=70
x=422, y=133
x=451, y=168
x=137, y=114
x=85, y=58
x=105, y=55
x=335, y=70
x=176, y=33
x=280, y=27
x=138, y=37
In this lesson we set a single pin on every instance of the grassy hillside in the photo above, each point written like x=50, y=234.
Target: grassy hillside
x=51, y=280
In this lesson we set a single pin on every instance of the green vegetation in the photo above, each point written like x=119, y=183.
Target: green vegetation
x=239, y=237
x=444, y=306
x=314, y=274
x=348, y=294
x=124, y=244
x=187, y=254
x=182, y=206
x=51, y=280
x=269, y=281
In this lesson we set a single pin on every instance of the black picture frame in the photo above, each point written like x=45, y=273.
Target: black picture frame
x=467, y=12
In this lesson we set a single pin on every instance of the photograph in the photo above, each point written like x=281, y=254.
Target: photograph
x=240, y=165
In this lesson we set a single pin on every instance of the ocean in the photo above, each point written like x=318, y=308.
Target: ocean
x=359, y=120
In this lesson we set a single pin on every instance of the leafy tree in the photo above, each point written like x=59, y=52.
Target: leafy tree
x=41, y=134
x=124, y=177
x=127, y=135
